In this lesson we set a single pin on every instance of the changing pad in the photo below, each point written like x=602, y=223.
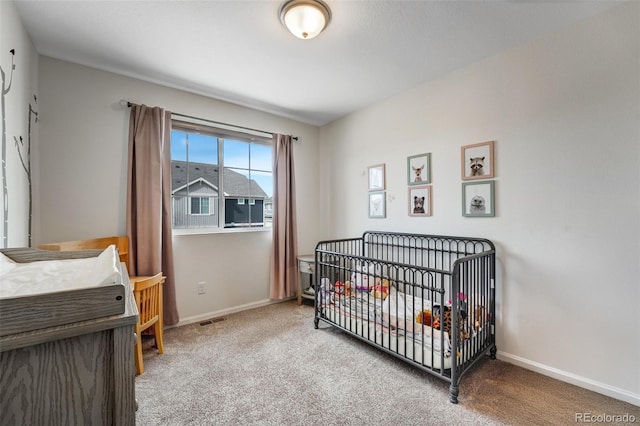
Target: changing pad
x=22, y=279
x=53, y=288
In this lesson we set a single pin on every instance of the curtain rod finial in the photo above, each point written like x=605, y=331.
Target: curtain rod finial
x=124, y=103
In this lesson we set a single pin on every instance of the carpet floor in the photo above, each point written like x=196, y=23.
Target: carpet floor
x=269, y=366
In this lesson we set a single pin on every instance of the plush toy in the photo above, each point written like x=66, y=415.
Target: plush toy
x=463, y=305
x=347, y=288
x=342, y=288
x=380, y=290
x=425, y=318
x=360, y=281
x=363, y=277
x=325, y=290
x=442, y=317
x=479, y=318
x=462, y=301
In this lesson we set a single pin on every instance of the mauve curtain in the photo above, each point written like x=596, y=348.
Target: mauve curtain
x=149, y=200
x=284, y=268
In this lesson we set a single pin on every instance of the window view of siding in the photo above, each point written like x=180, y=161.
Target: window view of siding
x=202, y=197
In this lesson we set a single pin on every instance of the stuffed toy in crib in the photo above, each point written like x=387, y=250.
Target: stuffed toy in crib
x=425, y=318
x=343, y=288
x=442, y=321
x=325, y=290
x=363, y=277
x=380, y=289
x=479, y=318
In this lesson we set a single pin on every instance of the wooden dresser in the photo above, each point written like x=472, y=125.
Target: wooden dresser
x=80, y=373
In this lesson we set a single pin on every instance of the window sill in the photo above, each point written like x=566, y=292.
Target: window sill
x=203, y=231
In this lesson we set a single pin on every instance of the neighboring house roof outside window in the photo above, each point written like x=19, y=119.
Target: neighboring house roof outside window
x=236, y=185
x=198, y=186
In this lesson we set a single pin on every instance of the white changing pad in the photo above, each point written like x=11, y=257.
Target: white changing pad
x=26, y=279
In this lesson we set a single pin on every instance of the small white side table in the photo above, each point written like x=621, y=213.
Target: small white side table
x=306, y=268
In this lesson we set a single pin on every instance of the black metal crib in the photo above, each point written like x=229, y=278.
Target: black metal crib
x=426, y=299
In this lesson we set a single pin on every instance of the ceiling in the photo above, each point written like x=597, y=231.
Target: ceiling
x=239, y=52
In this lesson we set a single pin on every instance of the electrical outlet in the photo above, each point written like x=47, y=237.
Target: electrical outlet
x=201, y=287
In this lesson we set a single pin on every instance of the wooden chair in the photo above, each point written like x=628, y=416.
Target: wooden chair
x=147, y=290
x=148, y=295
x=121, y=243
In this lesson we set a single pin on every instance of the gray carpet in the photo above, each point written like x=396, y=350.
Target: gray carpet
x=269, y=366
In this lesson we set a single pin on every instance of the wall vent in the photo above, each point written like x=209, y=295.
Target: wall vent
x=212, y=320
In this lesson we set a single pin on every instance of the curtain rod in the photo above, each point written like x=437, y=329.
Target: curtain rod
x=130, y=104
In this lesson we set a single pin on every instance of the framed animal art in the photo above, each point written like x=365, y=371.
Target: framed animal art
x=377, y=204
x=477, y=161
x=377, y=177
x=478, y=199
x=420, y=200
x=419, y=169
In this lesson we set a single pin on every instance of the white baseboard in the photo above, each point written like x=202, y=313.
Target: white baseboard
x=573, y=379
x=228, y=311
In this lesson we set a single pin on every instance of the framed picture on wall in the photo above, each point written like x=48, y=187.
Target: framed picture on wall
x=376, y=178
x=420, y=200
x=478, y=199
x=377, y=204
x=478, y=161
x=419, y=169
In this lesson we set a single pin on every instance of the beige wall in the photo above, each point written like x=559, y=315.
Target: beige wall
x=83, y=181
x=22, y=85
x=564, y=112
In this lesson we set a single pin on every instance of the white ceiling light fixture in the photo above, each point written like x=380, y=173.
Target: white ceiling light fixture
x=305, y=19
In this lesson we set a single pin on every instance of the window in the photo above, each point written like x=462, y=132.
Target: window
x=200, y=205
x=202, y=197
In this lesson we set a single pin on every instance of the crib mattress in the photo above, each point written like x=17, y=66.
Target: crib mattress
x=417, y=351
x=28, y=304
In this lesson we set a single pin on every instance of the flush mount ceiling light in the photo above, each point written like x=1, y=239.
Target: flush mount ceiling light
x=305, y=19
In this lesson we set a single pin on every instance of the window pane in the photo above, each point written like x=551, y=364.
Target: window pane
x=195, y=205
x=264, y=198
x=194, y=179
x=236, y=154
x=261, y=157
x=178, y=145
x=237, y=188
x=203, y=149
x=264, y=181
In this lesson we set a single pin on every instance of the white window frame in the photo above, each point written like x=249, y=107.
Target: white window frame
x=220, y=134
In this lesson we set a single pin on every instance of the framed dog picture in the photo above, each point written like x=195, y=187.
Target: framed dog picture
x=377, y=204
x=419, y=169
x=477, y=161
x=478, y=199
x=420, y=200
x=376, y=178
